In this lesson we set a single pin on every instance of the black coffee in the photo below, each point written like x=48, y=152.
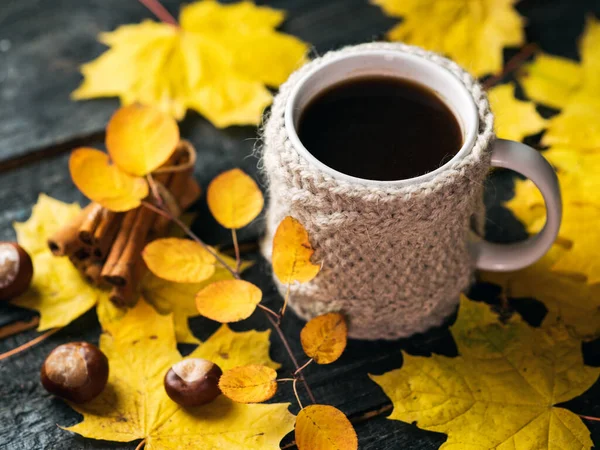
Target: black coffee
x=380, y=128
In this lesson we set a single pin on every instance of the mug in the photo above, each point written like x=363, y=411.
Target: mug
x=396, y=254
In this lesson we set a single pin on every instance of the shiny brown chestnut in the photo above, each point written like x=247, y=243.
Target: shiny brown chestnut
x=16, y=270
x=193, y=382
x=76, y=371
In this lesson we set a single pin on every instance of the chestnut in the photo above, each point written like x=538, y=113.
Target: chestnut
x=16, y=270
x=193, y=382
x=76, y=371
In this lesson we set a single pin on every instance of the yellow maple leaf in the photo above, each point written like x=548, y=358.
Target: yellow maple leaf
x=550, y=80
x=515, y=119
x=563, y=83
x=568, y=298
x=217, y=62
x=48, y=216
x=506, y=381
x=579, y=186
x=473, y=33
x=58, y=292
x=134, y=405
x=180, y=298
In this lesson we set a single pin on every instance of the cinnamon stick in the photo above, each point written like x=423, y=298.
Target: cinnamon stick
x=105, y=234
x=123, y=236
x=93, y=272
x=89, y=224
x=126, y=296
x=66, y=240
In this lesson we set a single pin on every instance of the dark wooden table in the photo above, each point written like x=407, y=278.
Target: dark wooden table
x=42, y=44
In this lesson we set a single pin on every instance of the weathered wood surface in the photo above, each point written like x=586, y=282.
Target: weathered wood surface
x=41, y=46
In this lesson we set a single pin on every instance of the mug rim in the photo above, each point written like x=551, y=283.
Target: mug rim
x=470, y=131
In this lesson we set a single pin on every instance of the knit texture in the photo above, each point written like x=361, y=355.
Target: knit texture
x=394, y=259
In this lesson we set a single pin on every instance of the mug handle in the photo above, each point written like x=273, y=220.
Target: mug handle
x=530, y=163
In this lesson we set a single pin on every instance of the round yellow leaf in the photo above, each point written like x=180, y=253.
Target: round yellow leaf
x=179, y=260
x=292, y=252
x=140, y=139
x=103, y=182
x=323, y=427
x=228, y=300
x=324, y=337
x=234, y=199
x=249, y=384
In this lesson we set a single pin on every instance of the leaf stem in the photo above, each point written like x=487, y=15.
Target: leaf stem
x=238, y=259
x=285, y=379
x=300, y=369
x=296, y=393
x=159, y=11
x=154, y=189
x=141, y=444
x=18, y=327
x=286, y=298
x=595, y=419
x=29, y=344
x=513, y=64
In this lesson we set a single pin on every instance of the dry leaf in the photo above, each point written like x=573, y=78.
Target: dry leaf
x=567, y=298
x=180, y=298
x=515, y=119
x=249, y=384
x=217, y=63
x=103, y=182
x=471, y=33
x=141, y=348
x=139, y=139
x=234, y=199
x=292, y=252
x=506, y=381
x=228, y=300
x=324, y=337
x=58, y=292
x=179, y=260
x=323, y=427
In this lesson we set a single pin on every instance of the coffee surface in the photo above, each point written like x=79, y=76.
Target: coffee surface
x=380, y=128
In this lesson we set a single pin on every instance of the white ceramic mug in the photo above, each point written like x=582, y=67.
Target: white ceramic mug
x=506, y=154
x=396, y=254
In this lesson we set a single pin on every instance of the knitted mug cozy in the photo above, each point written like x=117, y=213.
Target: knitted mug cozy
x=394, y=259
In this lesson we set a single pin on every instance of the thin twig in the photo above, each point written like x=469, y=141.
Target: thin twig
x=291, y=355
x=301, y=368
x=236, y=275
x=513, y=64
x=296, y=393
x=159, y=11
x=191, y=235
x=269, y=310
x=18, y=327
x=141, y=444
x=285, y=379
x=238, y=259
x=29, y=344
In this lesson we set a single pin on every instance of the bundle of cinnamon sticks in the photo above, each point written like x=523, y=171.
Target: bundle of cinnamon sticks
x=106, y=246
